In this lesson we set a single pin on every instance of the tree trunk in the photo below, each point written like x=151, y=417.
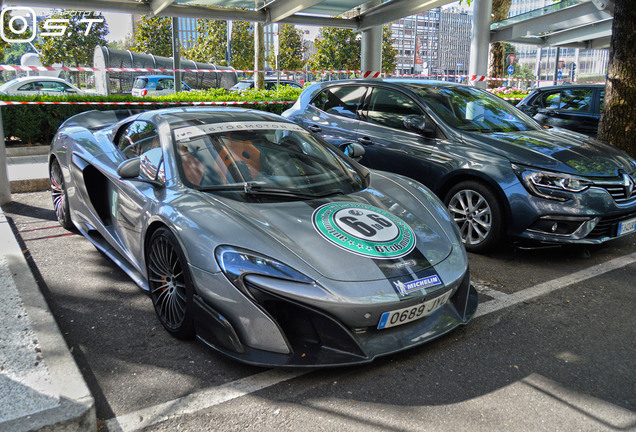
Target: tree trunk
x=496, y=60
x=259, y=53
x=618, y=119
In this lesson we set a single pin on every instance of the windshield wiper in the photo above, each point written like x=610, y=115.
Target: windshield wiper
x=254, y=188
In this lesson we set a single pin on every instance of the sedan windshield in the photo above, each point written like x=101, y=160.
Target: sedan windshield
x=261, y=158
x=473, y=110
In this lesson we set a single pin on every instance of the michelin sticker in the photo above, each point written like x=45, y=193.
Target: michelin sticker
x=417, y=285
x=364, y=230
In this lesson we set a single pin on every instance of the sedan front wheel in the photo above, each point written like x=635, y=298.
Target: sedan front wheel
x=477, y=211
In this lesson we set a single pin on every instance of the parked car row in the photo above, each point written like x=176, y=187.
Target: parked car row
x=499, y=173
x=34, y=85
x=143, y=86
x=336, y=233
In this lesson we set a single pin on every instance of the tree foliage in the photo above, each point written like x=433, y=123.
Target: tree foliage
x=292, y=49
x=153, y=35
x=7, y=31
x=389, y=55
x=242, y=45
x=342, y=49
x=211, y=42
x=75, y=47
x=337, y=48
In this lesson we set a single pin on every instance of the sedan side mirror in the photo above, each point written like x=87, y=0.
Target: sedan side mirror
x=418, y=123
x=353, y=150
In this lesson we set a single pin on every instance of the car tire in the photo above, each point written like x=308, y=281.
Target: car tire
x=60, y=196
x=170, y=284
x=479, y=214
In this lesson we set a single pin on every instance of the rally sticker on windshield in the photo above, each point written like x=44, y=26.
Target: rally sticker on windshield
x=364, y=230
x=189, y=132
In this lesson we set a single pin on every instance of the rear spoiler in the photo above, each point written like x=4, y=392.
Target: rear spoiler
x=96, y=119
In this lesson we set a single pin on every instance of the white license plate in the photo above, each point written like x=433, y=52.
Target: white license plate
x=626, y=227
x=403, y=316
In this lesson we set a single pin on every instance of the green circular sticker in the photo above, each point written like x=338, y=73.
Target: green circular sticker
x=364, y=230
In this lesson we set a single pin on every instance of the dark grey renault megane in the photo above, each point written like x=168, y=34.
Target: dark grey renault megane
x=497, y=170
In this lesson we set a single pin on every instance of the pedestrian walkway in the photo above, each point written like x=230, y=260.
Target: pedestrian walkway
x=41, y=387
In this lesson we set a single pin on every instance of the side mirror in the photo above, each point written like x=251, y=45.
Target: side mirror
x=418, y=123
x=353, y=150
x=129, y=169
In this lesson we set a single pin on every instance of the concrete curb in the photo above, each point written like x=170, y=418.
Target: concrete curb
x=30, y=185
x=27, y=151
x=75, y=406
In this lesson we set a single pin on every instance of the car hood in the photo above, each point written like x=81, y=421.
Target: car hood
x=557, y=150
x=301, y=232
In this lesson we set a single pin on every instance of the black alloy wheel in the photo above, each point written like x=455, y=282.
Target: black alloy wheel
x=170, y=284
x=59, y=195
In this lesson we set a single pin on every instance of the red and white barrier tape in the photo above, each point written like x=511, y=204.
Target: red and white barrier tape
x=7, y=103
x=364, y=74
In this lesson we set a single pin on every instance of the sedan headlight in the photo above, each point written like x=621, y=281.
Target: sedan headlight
x=545, y=183
x=236, y=263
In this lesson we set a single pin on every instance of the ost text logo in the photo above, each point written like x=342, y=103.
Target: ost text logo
x=24, y=19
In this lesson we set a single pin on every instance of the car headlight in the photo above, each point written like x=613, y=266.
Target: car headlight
x=237, y=263
x=548, y=184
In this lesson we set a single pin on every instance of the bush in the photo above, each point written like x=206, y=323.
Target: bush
x=31, y=124
x=510, y=92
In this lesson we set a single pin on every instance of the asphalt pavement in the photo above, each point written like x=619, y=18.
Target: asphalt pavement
x=550, y=349
x=41, y=387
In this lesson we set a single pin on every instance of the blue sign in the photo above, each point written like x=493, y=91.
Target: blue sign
x=559, y=74
x=511, y=70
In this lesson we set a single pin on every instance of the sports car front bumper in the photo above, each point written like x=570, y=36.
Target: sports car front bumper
x=317, y=338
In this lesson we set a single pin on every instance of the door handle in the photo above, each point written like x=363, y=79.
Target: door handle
x=315, y=128
x=365, y=140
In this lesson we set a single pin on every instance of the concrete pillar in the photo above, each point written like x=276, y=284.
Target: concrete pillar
x=176, y=54
x=5, y=186
x=480, y=42
x=372, y=44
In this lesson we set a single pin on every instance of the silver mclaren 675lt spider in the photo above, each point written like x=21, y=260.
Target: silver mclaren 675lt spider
x=254, y=235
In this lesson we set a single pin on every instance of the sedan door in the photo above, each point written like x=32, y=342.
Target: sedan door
x=576, y=109
x=390, y=146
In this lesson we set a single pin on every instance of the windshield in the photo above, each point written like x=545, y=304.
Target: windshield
x=472, y=110
x=260, y=157
x=242, y=85
x=140, y=83
x=9, y=83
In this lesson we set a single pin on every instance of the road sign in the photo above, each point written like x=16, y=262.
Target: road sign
x=559, y=74
x=511, y=69
x=511, y=59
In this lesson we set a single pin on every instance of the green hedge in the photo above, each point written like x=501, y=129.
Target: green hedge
x=30, y=124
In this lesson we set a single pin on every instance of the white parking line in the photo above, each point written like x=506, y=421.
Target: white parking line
x=217, y=395
x=200, y=400
x=506, y=300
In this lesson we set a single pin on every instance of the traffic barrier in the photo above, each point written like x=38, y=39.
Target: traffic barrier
x=7, y=103
x=364, y=74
